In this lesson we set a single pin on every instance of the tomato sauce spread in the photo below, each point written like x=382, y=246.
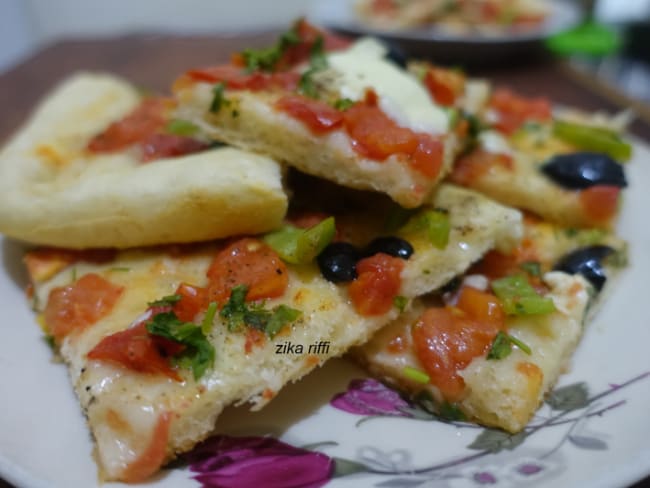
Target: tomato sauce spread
x=145, y=128
x=514, y=110
x=470, y=168
x=445, y=85
x=79, y=305
x=447, y=339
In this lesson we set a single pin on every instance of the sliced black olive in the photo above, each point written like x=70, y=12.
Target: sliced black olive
x=396, y=54
x=338, y=262
x=393, y=246
x=587, y=262
x=584, y=169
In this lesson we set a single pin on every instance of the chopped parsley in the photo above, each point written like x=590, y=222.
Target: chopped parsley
x=219, y=100
x=533, y=268
x=317, y=62
x=343, y=104
x=502, y=346
x=237, y=313
x=198, y=354
x=208, y=318
x=166, y=301
x=400, y=303
x=266, y=59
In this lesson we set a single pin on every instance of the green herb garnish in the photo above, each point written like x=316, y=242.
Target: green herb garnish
x=208, y=318
x=533, y=268
x=167, y=301
x=237, y=313
x=266, y=59
x=343, y=104
x=317, y=62
x=219, y=99
x=400, y=303
x=502, y=346
x=518, y=297
x=198, y=354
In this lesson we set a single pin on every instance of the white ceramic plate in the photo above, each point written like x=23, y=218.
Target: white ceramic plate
x=447, y=47
x=339, y=14
x=604, y=441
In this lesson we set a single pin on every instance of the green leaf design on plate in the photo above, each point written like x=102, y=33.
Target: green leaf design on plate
x=570, y=397
x=344, y=467
x=494, y=440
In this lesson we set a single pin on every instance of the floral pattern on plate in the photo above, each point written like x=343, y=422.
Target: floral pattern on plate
x=247, y=462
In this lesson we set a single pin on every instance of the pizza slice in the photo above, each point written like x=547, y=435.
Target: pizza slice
x=331, y=108
x=97, y=165
x=564, y=166
x=489, y=346
x=159, y=341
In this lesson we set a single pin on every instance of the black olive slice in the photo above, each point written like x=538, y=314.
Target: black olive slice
x=587, y=262
x=393, y=246
x=338, y=262
x=581, y=170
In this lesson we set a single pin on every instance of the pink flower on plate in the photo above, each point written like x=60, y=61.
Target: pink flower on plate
x=370, y=397
x=253, y=462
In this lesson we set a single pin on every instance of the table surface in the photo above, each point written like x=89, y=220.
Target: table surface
x=152, y=61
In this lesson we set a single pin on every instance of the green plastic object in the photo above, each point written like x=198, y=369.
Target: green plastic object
x=590, y=38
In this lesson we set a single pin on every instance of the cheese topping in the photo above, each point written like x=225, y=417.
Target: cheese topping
x=401, y=97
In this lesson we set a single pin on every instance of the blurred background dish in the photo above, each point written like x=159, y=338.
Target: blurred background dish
x=458, y=38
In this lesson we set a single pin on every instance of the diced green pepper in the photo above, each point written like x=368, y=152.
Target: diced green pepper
x=181, y=127
x=415, y=375
x=518, y=297
x=435, y=223
x=595, y=139
x=301, y=246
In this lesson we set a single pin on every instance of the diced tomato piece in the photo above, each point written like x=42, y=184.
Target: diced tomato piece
x=147, y=119
x=79, y=305
x=158, y=146
x=428, y=156
x=319, y=117
x=376, y=136
x=481, y=306
x=446, y=340
x=151, y=459
x=378, y=283
x=193, y=300
x=444, y=85
x=514, y=110
x=137, y=350
x=247, y=262
x=600, y=203
x=469, y=169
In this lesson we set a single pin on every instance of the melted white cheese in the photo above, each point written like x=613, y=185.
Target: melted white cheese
x=492, y=141
x=401, y=97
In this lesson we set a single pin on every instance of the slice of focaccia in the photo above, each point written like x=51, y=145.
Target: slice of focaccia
x=340, y=111
x=563, y=166
x=159, y=341
x=494, y=344
x=81, y=173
